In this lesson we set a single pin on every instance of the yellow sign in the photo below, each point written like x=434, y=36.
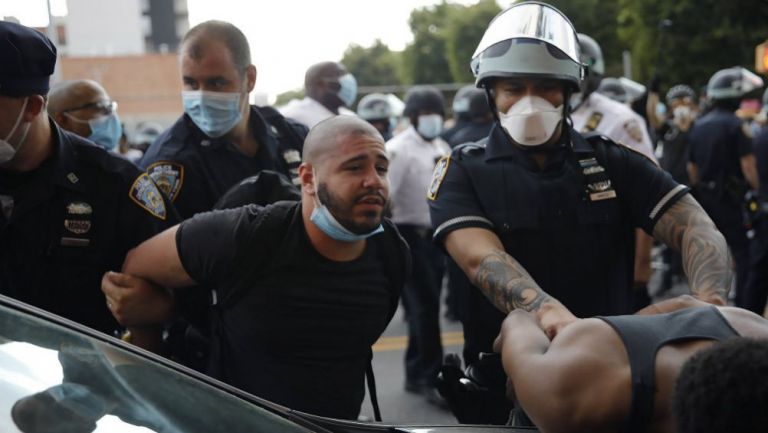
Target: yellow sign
x=761, y=58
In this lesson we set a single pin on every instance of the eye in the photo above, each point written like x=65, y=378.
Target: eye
x=382, y=169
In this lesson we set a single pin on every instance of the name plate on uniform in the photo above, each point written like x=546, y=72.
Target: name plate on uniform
x=605, y=195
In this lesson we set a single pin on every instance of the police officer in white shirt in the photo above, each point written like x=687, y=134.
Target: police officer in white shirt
x=413, y=154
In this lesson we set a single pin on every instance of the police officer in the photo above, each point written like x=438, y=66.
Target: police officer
x=83, y=107
x=331, y=90
x=378, y=111
x=460, y=107
x=595, y=112
x=221, y=139
x=70, y=210
x=722, y=165
x=412, y=155
x=479, y=119
x=539, y=217
x=757, y=284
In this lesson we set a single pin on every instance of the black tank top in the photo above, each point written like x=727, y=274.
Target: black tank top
x=643, y=336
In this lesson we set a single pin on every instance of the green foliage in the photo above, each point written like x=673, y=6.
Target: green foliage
x=372, y=66
x=466, y=28
x=706, y=36
x=425, y=59
x=284, y=97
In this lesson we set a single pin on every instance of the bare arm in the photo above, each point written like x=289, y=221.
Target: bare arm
x=749, y=168
x=685, y=227
x=555, y=381
x=502, y=279
x=157, y=260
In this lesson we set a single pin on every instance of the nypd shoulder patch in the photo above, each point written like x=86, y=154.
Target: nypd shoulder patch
x=441, y=168
x=169, y=177
x=147, y=195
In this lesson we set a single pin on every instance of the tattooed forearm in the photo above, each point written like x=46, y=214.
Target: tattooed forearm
x=685, y=227
x=505, y=283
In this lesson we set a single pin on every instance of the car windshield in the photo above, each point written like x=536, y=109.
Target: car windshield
x=53, y=379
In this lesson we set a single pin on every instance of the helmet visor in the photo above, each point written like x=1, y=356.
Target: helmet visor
x=532, y=21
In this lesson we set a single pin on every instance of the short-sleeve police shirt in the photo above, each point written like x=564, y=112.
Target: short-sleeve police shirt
x=69, y=221
x=302, y=329
x=577, y=246
x=195, y=170
x=717, y=143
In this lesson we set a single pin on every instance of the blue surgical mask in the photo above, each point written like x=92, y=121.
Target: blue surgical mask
x=430, y=125
x=215, y=113
x=323, y=219
x=348, y=89
x=106, y=131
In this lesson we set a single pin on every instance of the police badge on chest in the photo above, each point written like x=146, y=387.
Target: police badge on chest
x=598, y=185
x=77, y=224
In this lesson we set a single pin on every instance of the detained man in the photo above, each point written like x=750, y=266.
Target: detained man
x=310, y=285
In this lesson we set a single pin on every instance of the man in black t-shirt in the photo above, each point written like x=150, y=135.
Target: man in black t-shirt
x=308, y=307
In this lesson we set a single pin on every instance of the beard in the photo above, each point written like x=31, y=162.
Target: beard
x=342, y=209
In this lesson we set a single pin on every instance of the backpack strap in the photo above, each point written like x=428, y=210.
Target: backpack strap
x=397, y=264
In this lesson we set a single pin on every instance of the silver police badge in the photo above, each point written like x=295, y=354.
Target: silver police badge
x=169, y=177
x=79, y=208
x=147, y=195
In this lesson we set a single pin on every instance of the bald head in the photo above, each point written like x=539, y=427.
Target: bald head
x=318, y=73
x=323, y=140
x=68, y=95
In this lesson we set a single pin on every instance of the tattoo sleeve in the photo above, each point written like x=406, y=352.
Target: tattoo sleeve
x=507, y=285
x=687, y=228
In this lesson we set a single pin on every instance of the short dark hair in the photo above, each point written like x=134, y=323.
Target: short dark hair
x=724, y=389
x=225, y=32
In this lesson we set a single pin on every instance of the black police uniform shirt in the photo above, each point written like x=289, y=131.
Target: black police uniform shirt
x=66, y=223
x=717, y=143
x=195, y=170
x=574, y=234
x=761, y=157
x=300, y=334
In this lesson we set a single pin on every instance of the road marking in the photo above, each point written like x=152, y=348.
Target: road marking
x=400, y=342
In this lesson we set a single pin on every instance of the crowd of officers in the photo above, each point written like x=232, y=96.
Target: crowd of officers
x=544, y=193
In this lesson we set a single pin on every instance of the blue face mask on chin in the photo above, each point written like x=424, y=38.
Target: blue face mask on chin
x=106, y=131
x=348, y=89
x=215, y=113
x=323, y=219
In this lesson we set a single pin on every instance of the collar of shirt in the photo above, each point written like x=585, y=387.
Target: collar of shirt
x=263, y=133
x=65, y=169
x=499, y=146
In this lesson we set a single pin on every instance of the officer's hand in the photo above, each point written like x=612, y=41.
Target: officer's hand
x=135, y=301
x=553, y=317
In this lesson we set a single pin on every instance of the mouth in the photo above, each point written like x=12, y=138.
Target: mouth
x=371, y=200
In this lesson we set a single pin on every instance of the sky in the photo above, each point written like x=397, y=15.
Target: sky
x=286, y=36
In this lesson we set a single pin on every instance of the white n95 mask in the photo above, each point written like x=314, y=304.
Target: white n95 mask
x=531, y=121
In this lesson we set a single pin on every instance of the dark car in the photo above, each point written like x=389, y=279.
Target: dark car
x=59, y=376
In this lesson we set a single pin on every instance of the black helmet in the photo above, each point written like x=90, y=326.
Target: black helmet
x=732, y=83
x=592, y=57
x=529, y=39
x=423, y=98
x=478, y=104
x=680, y=91
x=374, y=106
x=461, y=100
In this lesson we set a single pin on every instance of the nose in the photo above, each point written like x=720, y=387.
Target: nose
x=374, y=180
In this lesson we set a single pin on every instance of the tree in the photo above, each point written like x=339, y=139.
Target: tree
x=705, y=36
x=372, y=66
x=462, y=35
x=424, y=59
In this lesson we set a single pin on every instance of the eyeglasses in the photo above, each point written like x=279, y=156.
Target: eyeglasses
x=104, y=107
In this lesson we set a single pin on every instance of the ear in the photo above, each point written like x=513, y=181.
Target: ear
x=250, y=75
x=307, y=178
x=35, y=106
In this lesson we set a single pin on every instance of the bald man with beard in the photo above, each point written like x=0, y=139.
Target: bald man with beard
x=83, y=107
x=614, y=373
x=305, y=288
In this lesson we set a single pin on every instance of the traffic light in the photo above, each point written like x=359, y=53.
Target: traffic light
x=761, y=58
